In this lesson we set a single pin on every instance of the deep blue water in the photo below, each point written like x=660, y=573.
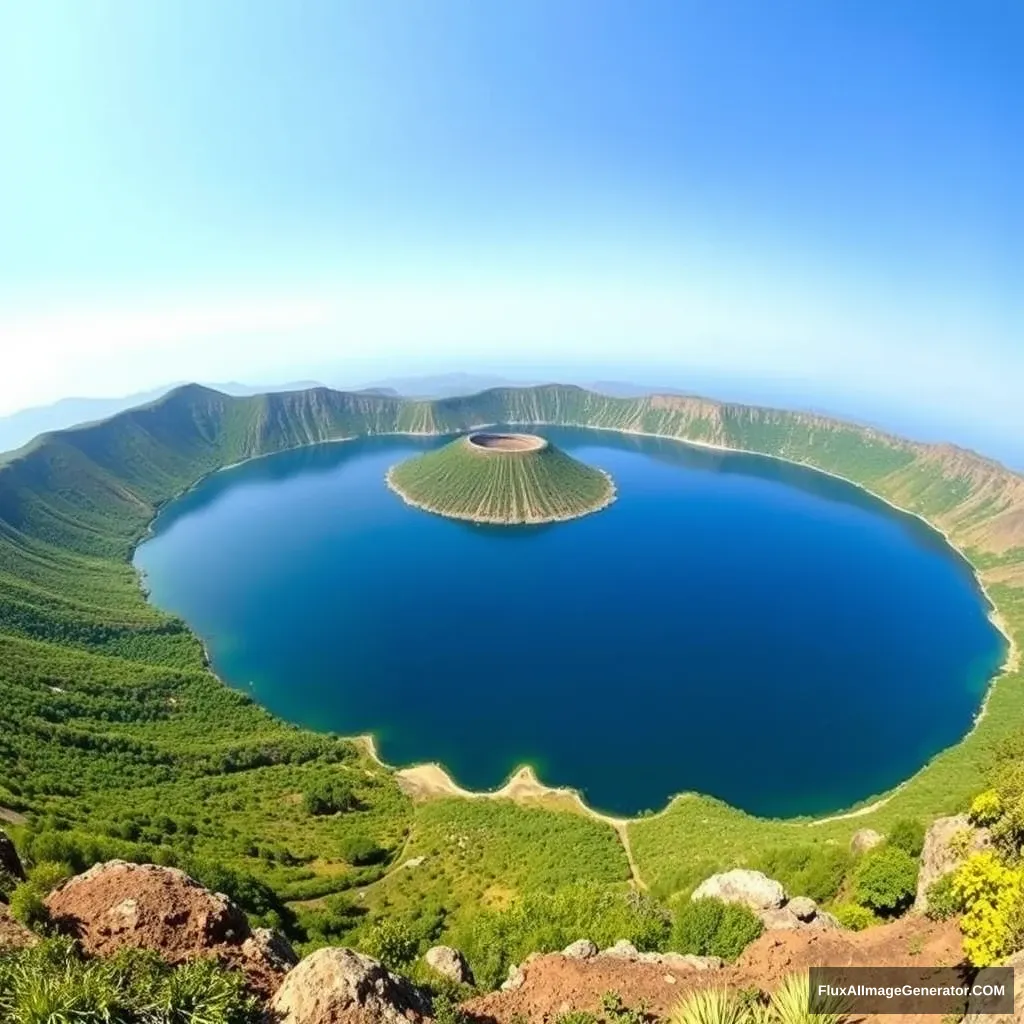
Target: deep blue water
x=731, y=624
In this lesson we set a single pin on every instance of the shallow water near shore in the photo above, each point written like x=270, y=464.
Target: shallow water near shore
x=731, y=625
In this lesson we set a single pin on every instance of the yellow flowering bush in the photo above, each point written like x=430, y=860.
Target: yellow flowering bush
x=991, y=895
x=986, y=808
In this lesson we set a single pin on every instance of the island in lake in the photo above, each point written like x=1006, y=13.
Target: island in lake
x=502, y=478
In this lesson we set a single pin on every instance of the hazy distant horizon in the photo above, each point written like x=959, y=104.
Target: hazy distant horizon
x=819, y=201
x=22, y=425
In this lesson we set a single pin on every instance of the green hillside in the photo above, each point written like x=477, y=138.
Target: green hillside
x=501, y=478
x=116, y=739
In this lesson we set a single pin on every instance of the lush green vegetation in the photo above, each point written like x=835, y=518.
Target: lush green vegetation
x=116, y=740
x=52, y=983
x=709, y=927
x=467, y=481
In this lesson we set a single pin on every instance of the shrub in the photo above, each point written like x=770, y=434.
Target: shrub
x=709, y=927
x=52, y=983
x=447, y=1010
x=987, y=808
x=885, y=880
x=854, y=916
x=908, y=835
x=330, y=796
x=360, y=850
x=545, y=921
x=813, y=870
x=942, y=899
x=992, y=896
x=27, y=906
x=790, y=1004
x=391, y=941
x=710, y=1006
x=47, y=875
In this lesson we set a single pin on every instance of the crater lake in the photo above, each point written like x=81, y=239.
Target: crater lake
x=732, y=625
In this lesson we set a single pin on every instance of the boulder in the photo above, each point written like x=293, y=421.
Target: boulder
x=117, y=905
x=622, y=950
x=581, y=949
x=779, y=919
x=752, y=888
x=803, y=907
x=449, y=963
x=865, y=839
x=939, y=857
x=10, y=863
x=340, y=986
x=271, y=948
x=826, y=921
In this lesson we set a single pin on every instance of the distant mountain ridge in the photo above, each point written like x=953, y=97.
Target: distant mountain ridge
x=139, y=458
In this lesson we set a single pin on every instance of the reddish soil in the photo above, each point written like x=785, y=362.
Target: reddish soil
x=12, y=934
x=554, y=984
x=142, y=906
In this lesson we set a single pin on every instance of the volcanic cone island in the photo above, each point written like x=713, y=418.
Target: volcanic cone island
x=502, y=478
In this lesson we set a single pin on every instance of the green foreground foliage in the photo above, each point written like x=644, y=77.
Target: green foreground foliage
x=52, y=984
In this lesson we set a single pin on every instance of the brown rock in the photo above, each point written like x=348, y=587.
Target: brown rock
x=339, y=986
x=142, y=906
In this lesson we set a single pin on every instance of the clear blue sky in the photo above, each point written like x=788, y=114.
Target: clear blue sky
x=821, y=199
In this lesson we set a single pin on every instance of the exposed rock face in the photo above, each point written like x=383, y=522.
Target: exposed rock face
x=865, y=839
x=339, y=986
x=582, y=949
x=271, y=948
x=9, y=861
x=752, y=888
x=803, y=907
x=143, y=906
x=450, y=963
x=799, y=912
x=940, y=854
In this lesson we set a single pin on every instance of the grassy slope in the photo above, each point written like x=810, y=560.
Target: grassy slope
x=464, y=482
x=110, y=722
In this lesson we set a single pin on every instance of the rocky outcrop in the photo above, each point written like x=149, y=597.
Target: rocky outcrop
x=799, y=912
x=142, y=906
x=946, y=844
x=10, y=863
x=803, y=908
x=865, y=839
x=449, y=963
x=751, y=888
x=622, y=950
x=339, y=986
x=582, y=949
